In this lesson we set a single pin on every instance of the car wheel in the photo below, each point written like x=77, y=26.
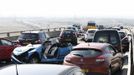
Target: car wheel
x=34, y=59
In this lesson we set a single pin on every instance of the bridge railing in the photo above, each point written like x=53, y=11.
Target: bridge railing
x=17, y=33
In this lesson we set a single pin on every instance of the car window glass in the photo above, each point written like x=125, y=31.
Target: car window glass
x=29, y=36
x=110, y=49
x=5, y=42
x=67, y=32
x=91, y=31
x=113, y=39
x=42, y=36
x=0, y=42
x=46, y=35
x=103, y=38
x=85, y=52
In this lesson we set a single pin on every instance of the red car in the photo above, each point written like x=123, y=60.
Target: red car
x=6, y=48
x=95, y=58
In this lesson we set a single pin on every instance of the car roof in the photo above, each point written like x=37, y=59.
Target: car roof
x=93, y=45
x=37, y=69
x=109, y=30
x=92, y=29
x=32, y=31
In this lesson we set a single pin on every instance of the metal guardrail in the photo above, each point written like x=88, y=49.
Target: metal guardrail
x=16, y=33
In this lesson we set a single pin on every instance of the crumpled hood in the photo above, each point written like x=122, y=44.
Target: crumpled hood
x=23, y=49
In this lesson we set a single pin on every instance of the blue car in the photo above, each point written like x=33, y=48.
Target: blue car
x=41, y=53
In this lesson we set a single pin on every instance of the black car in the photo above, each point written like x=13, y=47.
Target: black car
x=109, y=36
x=68, y=35
x=33, y=37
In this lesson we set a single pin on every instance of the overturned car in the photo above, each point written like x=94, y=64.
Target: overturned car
x=41, y=53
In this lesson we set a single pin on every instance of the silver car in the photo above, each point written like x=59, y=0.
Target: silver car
x=40, y=69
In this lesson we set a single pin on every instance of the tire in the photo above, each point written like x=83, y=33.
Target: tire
x=34, y=59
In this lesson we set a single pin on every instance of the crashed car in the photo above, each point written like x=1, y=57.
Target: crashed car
x=41, y=53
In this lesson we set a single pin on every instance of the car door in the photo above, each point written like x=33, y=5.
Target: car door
x=42, y=37
x=115, y=58
x=6, y=48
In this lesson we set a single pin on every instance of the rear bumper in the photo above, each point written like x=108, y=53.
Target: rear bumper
x=92, y=69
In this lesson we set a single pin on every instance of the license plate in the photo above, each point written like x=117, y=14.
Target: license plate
x=85, y=70
x=68, y=39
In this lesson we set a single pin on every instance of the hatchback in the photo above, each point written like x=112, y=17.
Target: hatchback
x=76, y=30
x=109, y=36
x=33, y=37
x=68, y=35
x=95, y=58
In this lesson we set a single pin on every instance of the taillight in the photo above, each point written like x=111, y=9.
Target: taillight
x=100, y=59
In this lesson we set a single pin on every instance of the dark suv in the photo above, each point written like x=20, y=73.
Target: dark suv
x=109, y=36
x=68, y=35
x=33, y=37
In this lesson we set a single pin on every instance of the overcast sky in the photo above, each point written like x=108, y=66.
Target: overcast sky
x=67, y=8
